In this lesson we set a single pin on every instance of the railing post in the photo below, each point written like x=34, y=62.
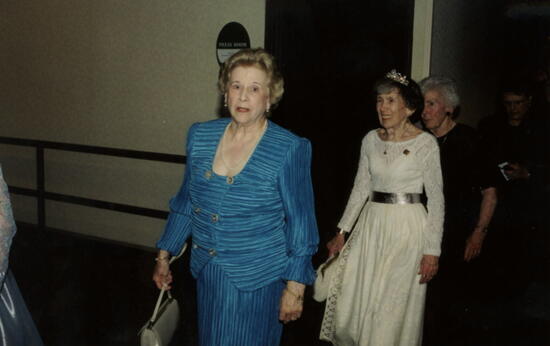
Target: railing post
x=40, y=186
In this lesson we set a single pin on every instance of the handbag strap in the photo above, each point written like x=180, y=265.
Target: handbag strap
x=162, y=290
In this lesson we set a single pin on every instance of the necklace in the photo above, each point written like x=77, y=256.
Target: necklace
x=407, y=133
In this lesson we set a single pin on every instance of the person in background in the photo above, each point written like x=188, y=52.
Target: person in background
x=16, y=324
x=247, y=202
x=377, y=295
x=469, y=185
x=517, y=138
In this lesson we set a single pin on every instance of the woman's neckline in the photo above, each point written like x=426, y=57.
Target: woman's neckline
x=252, y=154
x=397, y=142
x=448, y=130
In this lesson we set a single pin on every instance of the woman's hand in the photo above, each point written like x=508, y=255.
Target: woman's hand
x=292, y=302
x=428, y=268
x=336, y=244
x=474, y=244
x=162, y=275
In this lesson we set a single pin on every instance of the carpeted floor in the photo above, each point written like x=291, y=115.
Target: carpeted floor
x=84, y=292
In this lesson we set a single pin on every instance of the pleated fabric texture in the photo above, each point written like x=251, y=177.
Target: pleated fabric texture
x=258, y=225
x=231, y=317
x=250, y=232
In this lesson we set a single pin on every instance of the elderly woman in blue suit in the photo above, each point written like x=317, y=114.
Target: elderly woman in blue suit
x=247, y=203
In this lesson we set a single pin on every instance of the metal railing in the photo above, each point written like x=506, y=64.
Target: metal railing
x=42, y=195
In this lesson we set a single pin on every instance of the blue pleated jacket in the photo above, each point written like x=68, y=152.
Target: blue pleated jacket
x=259, y=225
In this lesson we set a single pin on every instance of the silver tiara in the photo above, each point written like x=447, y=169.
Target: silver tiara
x=397, y=77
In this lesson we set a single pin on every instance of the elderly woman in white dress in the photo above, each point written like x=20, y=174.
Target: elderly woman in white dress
x=377, y=294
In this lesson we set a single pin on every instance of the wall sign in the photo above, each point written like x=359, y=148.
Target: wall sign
x=232, y=38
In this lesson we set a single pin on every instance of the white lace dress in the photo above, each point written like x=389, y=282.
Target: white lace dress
x=375, y=297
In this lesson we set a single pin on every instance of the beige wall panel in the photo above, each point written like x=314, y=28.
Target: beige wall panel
x=18, y=165
x=422, y=39
x=142, y=183
x=124, y=74
x=104, y=224
x=129, y=74
x=19, y=169
x=24, y=208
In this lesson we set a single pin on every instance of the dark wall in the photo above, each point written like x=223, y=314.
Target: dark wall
x=524, y=54
x=331, y=53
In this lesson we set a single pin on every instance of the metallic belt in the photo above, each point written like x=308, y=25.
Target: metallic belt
x=395, y=198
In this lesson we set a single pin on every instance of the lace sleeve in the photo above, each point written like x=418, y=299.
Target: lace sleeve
x=360, y=192
x=433, y=185
x=7, y=226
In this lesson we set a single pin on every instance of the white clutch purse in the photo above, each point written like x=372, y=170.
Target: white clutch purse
x=160, y=328
x=325, y=273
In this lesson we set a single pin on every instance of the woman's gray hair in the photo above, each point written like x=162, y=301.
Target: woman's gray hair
x=446, y=86
x=256, y=57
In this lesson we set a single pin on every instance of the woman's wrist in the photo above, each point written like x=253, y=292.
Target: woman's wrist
x=481, y=229
x=342, y=235
x=163, y=256
x=296, y=287
x=298, y=296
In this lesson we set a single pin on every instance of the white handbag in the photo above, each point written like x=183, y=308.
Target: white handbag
x=160, y=328
x=325, y=273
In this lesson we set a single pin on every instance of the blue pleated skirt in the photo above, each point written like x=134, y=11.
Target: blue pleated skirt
x=230, y=317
